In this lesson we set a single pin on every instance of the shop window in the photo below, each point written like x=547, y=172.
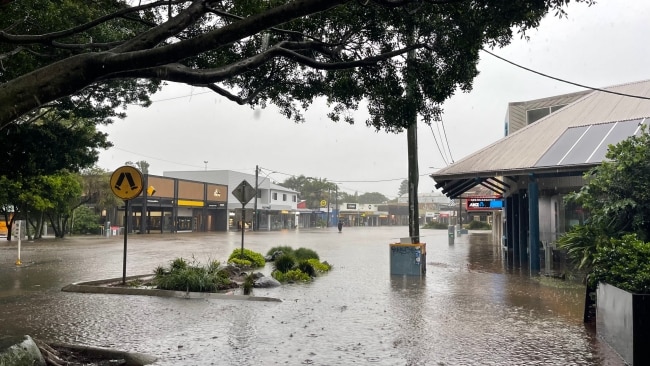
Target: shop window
x=284, y=196
x=275, y=196
x=295, y=199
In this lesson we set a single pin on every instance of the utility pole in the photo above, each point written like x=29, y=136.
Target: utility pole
x=329, y=198
x=410, y=113
x=336, y=198
x=257, y=187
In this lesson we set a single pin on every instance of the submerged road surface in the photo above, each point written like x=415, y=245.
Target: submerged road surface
x=470, y=309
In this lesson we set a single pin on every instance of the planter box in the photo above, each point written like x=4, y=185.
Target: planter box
x=623, y=321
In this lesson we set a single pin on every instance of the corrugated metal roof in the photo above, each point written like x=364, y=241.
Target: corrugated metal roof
x=521, y=150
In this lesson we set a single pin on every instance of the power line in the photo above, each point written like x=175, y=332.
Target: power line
x=563, y=80
x=154, y=158
x=444, y=158
x=347, y=181
x=447, y=141
x=442, y=144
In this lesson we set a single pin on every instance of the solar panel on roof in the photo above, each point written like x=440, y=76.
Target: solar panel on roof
x=587, y=144
x=622, y=131
x=583, y=148
x=563, y=144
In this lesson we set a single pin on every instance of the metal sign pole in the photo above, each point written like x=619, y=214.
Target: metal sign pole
x=243, y=223
x=126, y=234
x=243, y=192
x=18, y=262
x=126, y=183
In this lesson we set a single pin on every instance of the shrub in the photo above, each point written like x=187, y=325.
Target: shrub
x=435, y=225
x=244, y=263
x=182, y=276
x=304, y=254
x=255, y=260
x=307, y=268
x=624, y=263
x=213, y=266
x=178, y=263
x=248, y=284
x=85, y=221
x=297, y=275
x=284, y=249
x=160, y=271
x=284, y=263
x=294, y=275
x=478, y=225
x=319, y=266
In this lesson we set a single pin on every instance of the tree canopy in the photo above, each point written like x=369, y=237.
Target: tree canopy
x=88, y=58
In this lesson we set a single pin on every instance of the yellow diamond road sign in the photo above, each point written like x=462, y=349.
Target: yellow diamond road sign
x=126, y=182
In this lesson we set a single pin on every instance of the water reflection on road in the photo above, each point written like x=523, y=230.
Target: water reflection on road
x=468, y=310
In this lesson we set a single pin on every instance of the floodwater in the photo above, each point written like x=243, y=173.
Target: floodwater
x=470, y=309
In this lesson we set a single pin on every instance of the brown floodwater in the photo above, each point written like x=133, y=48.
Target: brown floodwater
x=469, y=309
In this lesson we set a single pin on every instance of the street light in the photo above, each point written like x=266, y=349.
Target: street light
x=206, y=164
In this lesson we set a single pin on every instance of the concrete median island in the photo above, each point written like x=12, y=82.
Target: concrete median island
x=115, y=286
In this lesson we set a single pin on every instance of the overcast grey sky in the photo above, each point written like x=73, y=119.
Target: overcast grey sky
x=602, y=45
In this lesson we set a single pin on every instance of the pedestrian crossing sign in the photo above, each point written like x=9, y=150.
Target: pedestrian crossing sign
x=126, y=182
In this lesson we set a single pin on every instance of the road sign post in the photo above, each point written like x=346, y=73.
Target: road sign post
x=126, y=183
x=18, y=261
x=244, y=192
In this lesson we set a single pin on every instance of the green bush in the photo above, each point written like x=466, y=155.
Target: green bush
x=243, y=263
x=304, y=254
x=294, y=275
x=248, y=284
x=297, y=275
x=178, y=263
x=85, y=221
x=284, y=263
x=624, y=263
x=478, y=225
x=182, y=276
x=284, y=249
x=435, y=225
x=249, y=259
x=319, y=266
x=306, y=267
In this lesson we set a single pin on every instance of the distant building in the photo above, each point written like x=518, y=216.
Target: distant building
x=277, y=206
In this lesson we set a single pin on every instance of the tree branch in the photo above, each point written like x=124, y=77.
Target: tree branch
x=49, y=37
x=400, y=3
x=181, y=73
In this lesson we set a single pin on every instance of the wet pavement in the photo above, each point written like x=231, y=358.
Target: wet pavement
x=470, y=309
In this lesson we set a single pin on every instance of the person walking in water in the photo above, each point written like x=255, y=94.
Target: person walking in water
x=340, y=226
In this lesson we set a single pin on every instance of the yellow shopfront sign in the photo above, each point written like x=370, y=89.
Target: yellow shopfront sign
x=191, y=203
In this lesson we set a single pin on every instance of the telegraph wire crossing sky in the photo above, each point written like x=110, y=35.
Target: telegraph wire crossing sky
x=596, y=46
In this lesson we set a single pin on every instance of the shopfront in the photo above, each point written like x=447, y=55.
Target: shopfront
x=176, y=205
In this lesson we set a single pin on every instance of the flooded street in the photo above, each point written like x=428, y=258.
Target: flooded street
x=468, y=310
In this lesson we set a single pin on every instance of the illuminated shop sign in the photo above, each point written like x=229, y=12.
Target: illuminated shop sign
x=484, y=203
